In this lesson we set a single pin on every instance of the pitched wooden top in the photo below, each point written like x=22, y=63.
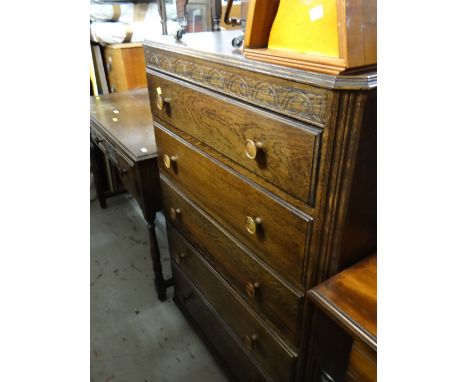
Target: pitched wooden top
x=350, y=297
x=125, y=118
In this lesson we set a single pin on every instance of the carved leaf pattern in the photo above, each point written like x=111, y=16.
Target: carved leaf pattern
x=237, y=85
x=265, y=91
x=215, y=78
x=288, y=100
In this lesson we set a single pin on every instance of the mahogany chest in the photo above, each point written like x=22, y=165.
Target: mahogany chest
x=268, y=179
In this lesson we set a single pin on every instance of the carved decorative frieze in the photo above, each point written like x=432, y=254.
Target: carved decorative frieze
x=309, y=105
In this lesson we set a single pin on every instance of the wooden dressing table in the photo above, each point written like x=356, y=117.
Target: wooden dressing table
x=122, y=129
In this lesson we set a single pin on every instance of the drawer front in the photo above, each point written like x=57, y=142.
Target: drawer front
x=266, y=293
x=278, y=234
x=125, y=167
x=280, y=151
x=258, y=340
x=127, y=172
x=215, y=330
x=291, y=97
x=114, y=63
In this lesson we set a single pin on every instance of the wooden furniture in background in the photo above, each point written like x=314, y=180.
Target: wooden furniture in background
x=356, y=27
x=122, y=129
x=125, y=66
x=350, y=300
x=268, y=179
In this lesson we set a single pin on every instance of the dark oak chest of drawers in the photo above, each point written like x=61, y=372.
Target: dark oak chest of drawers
x=268, y=178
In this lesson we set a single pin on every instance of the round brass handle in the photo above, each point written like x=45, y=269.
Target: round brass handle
x=174, y=212
x=122, y=172
x=251, y=224
x=179, y=257
x=251, y=288
x=250, y=341
x=169, y=160
x=252, y=148
x=161, y=101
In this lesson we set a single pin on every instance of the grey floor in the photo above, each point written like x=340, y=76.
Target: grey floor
x=134, y=337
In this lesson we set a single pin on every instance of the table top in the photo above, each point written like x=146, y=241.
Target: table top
x=351, y=298
x=126, y=119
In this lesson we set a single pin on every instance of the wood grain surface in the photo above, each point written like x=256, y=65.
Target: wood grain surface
x=274, y=300
x=283, y=234
x=215, y=331
x=125, y=64
x=268, y=350
x=350, y=297
x=217, y=96
x=126, y=121
x=289, y=149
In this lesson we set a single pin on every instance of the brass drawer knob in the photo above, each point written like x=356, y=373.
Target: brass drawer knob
x=250, y=341
x=161, y=101
x=169, y=160
x=251, y=288
x=174, y=212
x=179, y=257
x=251, y=224
x=252, y=148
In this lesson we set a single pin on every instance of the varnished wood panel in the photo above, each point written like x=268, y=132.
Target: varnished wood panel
x=217, y=333
x=114, y=63
x=288, y=155
x=275, y=301
x=360, y=226
x=125, y=120
x=339, y=105
x=362, y=365
x=135, y=67
x=350, y=297
x=283, y=234
x=287, y=97
x=258, y=31
x=125, y=67
x=277, y=359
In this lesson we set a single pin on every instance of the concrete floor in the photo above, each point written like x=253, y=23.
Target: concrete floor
x=134, y=337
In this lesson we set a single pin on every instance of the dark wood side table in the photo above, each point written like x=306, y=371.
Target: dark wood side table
x=346, y=339
x=122, y=129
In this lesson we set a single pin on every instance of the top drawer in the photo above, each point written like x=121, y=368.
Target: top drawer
x=280, y=151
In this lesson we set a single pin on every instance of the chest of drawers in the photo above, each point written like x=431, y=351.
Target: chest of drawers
x=268, y=179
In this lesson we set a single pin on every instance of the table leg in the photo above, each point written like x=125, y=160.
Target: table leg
x=159, y=282
x=97, y=167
